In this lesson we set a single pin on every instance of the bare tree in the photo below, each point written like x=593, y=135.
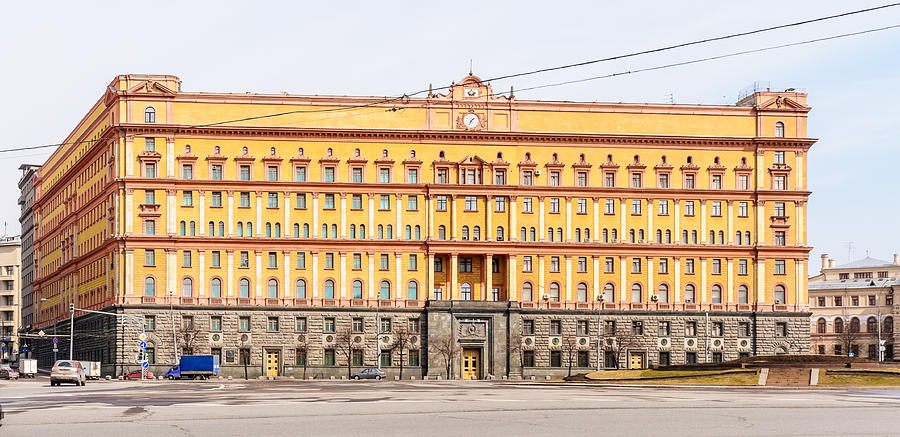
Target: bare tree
x=445, y=346
x=343, y=344
x=849, y=335
x=187, y=337
x=401, y=342
x=570, y=348
x=622, y=340
x=302, y=348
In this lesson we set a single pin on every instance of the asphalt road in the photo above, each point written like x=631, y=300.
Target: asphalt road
x=214, y=408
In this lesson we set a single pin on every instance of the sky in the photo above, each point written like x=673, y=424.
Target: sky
x=57, y=57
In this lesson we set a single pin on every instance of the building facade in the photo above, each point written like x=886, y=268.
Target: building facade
x=853, y=309
x=26, y=221
x=10, y=261
x=461, y=234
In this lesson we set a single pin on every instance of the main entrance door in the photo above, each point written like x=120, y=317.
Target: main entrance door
x=271, y=363
x=636, y=361
x=471, y=364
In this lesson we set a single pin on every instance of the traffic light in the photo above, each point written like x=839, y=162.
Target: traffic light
x=71, y=308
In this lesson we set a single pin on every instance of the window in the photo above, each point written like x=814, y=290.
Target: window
x=301, y=260
x=150, y=115
x=779, y=182
x=244, y=172
x=742, y=209
x=527, y=177
x=689, y=180
x=662, y=293
x=871, y=300
x=779, y=209
x=689, y=208
x=412, y=176
x=187, y=171
x=301, y=324
x=149, y=257
x=149, y=286
x=636, y=293
x=780, y=294
x=441, y=177
x=581, y=329
x=781, y=329
x=838, y=326
x=272, y=324
x=581, y=206
x=717, y=209
x=716, y=182
x=526, y=264
x=356, y=174
x=244, y=324
x=716, y=294
x=635, y=265
x=412, y=203
x=385, y=290
x=465, y=265
x=743, y=182
x=779, y=267
x=663, y=180
x=499, y=236
x=779, y=130
x=717, y=266
x=635, y=207
x=663, y=207
x=329, y=174
x=500, y=177
x=216, y=199
x=779, y=238
x=743, y=294
x=499, y=204
x=441, y=203
x=384, y=175
x=581, y=178
x=328, y=359
x=216, y=172
x=665, y=329
x=471, y=203
x=637, y=327
x=527, y=327
x=329, y=324
x=582, y=292
x=582, y=264
x=554, y=291
x=244, y=286
x=689, y=266
x=821, y=326
x=635, y=180
x=149, y=323
x=555, y=327
x=527, y=203
x=554, y=264
x=384, y=202
x=357, y=289
x=215, y=287
x=554, y=178
x=690, y=293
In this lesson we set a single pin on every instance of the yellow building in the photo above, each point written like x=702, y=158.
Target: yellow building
x=509, y=225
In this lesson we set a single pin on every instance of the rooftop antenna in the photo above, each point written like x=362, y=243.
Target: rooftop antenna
x=670, y=98
x=470, y=66
x=849, y=251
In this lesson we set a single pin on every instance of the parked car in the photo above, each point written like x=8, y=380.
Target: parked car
x=67, y=371
x=369, y=373
x=136, y=374
x=7, y=372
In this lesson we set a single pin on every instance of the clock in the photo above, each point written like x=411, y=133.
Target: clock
x=471, y=120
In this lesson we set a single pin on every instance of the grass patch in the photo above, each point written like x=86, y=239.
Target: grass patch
x=650, y=373
x=858, y=380
x=732, y=380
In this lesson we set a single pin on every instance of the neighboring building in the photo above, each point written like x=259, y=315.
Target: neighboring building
x=853, y=307
x=10, y=260
x=476, y=221
x=26, y=221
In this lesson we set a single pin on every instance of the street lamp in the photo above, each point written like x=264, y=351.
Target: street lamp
x=599, y=298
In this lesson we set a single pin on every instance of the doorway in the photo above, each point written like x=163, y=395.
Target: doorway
x=471, y=364
x=272, y=362
x=636, y=360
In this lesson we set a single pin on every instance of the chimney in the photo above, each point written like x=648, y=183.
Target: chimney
x=896, y=259
x=824, y=262
x=830, y=263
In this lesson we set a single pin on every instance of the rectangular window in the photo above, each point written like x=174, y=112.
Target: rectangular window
x=215, y=323
x=301, y=260
x=272, y=324
x=244, y=324
x=471, y=203
x=743, y=210
x=779, y=209
x=186, y=258
x=555, y=327
x=744, y=329
x=329, y=324
x=637, y=327
x=663, y=266
x=779, y=267
x=716, y=182
x=438, y=265
x=273, y=260
x=742, y=267
x=635, y=265
x=582, y=328
x=216, y=172
x=150, y=197
x=554, y=264
x=329, y=201
x=329, y=261
x=689, y=180
x=413, y=358
x=717, y=266
x=357, y=357
x=187, y=171
x=301, y=324
x=871, y=301
x=385, y=262
x=245, y=259
x=216, y=199
x=244, y=172
x=689, y=266
x=328, y=359
x=635, y=180
x=581, y=179
x=716, y=329
x=273, y=200
x=527, y=203
x=384, y=203
x=689, y=208
x=779, y=238
x=779, y=157
x=465, y=265
x=526, y=264
x=187, y=198
x=582, y=206
x=386, y=358
x=779, y=182
x=440, y=203
x=150, y=227
x=554, y=178
x=385, y=325
x=527, y=327
x=554, y=205
x=441, y=176
x=356, y=174
x=412, y=326
x=357, y=324
x=500, y=177
x=690, y=329
x=664, y=180
x=610, y=266
x=384, y=175
x=527, y=177
x=412, y=203
x=300, y=173
x=412, y=176
x=743, y=182
x=149, y=257
x=357, y=261
x=149, y=323
x=664, y=329
x=609, y=179
x=663, y=207
x=582, y=264
x=636, y=207
x=150, y=144
x=610, y=205
x=413, y=262
x=781, y=329
x=499, y=204
x=329, y=174
x=717, y=209
x=356, y=202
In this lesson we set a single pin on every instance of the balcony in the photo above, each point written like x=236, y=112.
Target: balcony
x=779, y=221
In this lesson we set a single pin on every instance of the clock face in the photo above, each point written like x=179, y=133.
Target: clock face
x=470, y=120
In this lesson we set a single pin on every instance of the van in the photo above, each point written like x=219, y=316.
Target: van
x=67, y=371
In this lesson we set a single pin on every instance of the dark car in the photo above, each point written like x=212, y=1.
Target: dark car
x=369, y=373
x=136, y=374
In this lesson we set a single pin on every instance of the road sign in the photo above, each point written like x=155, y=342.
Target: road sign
x=55, y=340
x=882, y=342
x=55, y=350
x=143, y=345
x=41, y=333
x=145, y=364
x=143, y=337
x=3, y=348
x=851, y=354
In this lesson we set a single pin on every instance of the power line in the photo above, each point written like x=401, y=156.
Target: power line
x=542, y=70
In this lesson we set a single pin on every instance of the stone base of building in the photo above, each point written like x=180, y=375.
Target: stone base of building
x=480, y=339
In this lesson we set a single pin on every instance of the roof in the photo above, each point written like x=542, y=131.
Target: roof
x=840, y=284
x=867, y=262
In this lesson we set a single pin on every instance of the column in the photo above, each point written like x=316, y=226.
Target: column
x=703, y=295
x=287, y=215
x=129, y=210
x=760, y=172
x=488, y=276
x=650, y=213
x=315, y=206
x=569, y=219
x=371, y=263
x=512, y=284
x=730, y=230
x=651, y=291
x=453, y=221
x=372, y=234
x=230, y=214
x=287, y=272
x=799, y=229
x=760, y=236
x=429, y=292
x=429, y=203
x=343, y=256
x=623, y=285
x=343, y=216
x=201, y=227
x=397, y=269
x=230, y=286
x=677, y=279
x=454, y=272
x=596, y=232
x=623, y=208
x=541, y=291
x=170, y=211
x=488, y=213
x=259, y=207
x=570, y=294
x=596, y=283
x=258, y=255
x=129, y=273
x=703, y=224
x=399, y=228
x=129, y=155
x=170, y=157
x=315, y=272
x=541, y=231
x=676, y=203
x=513, y=226
x=730, y=262
x=761, y=281
x=201, y=259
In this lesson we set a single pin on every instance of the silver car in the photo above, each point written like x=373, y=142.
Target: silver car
x=67, y=371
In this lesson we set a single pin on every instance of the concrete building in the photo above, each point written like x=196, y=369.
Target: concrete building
x=853, y=308
x=10, y=261
x=469, y=231
x=26, y=221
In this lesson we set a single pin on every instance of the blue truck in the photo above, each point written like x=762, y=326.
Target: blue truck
x=195, y=367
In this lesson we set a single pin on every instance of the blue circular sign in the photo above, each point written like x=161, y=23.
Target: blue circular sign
x=143, y=345
x=55, y=340
x=145, y=364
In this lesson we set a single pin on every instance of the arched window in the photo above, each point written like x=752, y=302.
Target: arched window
x=385, y=290
x=716, y=293
x=240, y=229
x=636, y=292
x=631, y=238
x=662, y=293
x=641, y=235
x=334, y=233
x=357, y=289
x=187, y=287
x=150, y=115
x=712, y=237
x=523, y=234
x=694, y=237
x=659, y=236
x=408, y=230
x=329, y=289
x=192, y=228
x=465, y=291
x=221, y=229
x=779, y=129
x=838, y=325
x=182, y=228
x=499, y=233
x=362, y=231
x=306, y=230
x=244, y=287
x=582, y=292
x=668, y=236
x=412, y=290
x=609, y=293
x=738, y=238
x=417, y=233
x=690, y=293
x=554, y=291
x=353, y=231
x=615, y=235
x=747, y=238
x=780, y=294
x=578, y=235
x=268, y=229
x=684, y=236
x=743, y=294
x=390, y=232
x=854, y=325
x=721, y=237
x=549, y=234
x=278, y=230
x=532, y=234
x=215, y=287
x=820, y=326
x=442, y=232
x=300, y=289
x=465, y=232
x=559, y=234
x=888, y=325
x=249, y=229
x=476, y=233
x=149, y=286
x=212, y=229
x=273, y=288
x=527, y=292
x=587, y=235
x=605, y=234
x=872, y=325
x=324, y=230
x=297, y=230
x=380, y=232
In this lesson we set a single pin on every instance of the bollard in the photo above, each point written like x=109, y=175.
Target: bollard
x=532, y=377
x=343, y=377
x=412, y=378
x=310, y=378
x=229, y=377
x=396, y=378
x=331, y=377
